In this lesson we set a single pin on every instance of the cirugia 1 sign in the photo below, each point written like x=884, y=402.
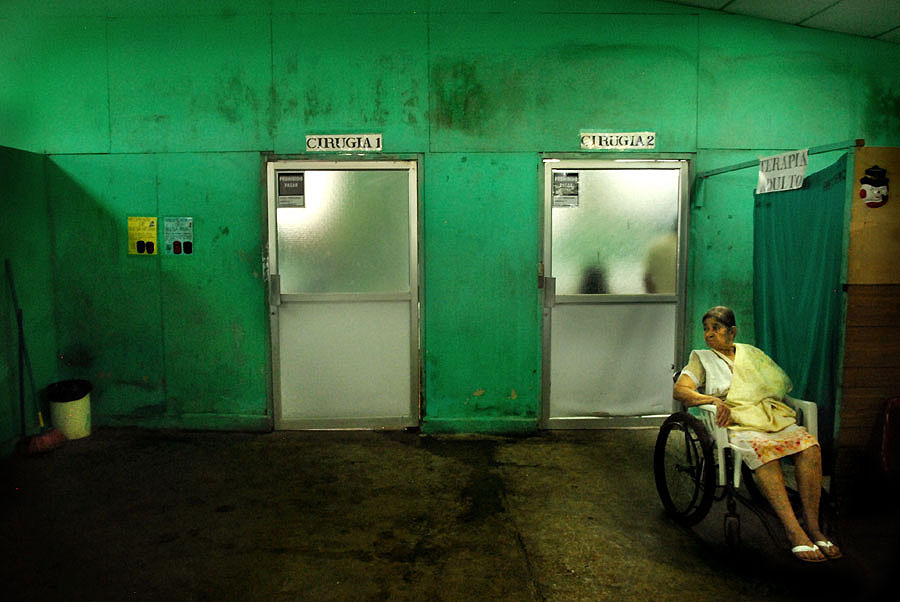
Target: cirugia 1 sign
x=343, y=143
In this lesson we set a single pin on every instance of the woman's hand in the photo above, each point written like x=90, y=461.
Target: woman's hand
x=723, y=413
x=685, y=391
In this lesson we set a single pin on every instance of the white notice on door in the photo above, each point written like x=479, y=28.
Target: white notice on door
x=565, y=188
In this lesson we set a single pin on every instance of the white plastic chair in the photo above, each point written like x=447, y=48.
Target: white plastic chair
x=806, y=416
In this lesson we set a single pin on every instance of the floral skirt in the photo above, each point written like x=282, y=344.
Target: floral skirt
x=758, y=447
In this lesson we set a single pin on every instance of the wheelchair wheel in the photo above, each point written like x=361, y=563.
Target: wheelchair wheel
x=684, y=469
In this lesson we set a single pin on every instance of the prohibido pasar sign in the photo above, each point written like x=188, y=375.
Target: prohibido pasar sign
x=291, y=189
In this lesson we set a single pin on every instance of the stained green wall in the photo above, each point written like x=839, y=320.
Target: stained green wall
x=24, y=242
x=166, y=339
x=162, y=108
x=481, y=274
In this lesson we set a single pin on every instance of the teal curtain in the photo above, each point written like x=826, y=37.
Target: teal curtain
x=797, y=297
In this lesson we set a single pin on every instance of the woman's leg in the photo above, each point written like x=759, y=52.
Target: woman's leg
x=808, y=471
x=770, y=480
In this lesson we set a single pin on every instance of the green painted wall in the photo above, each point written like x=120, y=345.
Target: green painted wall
x=24, y=238
x=480, y=274
x=166, y=339
x=161, y=108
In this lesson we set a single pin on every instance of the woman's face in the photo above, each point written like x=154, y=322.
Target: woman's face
x=718, y=336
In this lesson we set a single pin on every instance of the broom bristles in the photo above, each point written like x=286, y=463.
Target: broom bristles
x=46, y=442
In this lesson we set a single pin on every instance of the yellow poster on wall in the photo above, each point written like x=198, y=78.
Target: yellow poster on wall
x=142, y=235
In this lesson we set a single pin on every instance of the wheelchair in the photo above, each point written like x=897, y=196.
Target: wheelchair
x=694, y=465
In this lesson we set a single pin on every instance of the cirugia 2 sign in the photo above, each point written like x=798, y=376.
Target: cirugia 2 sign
x=618, y=141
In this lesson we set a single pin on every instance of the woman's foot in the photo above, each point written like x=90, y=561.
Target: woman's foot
x=803, y=548
x=826, y=546
x=808, y=553
x=830, y=550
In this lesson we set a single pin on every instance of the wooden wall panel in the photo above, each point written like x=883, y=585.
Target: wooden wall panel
x=867, y=307
x=875, y=233
x=871, y=346
x=871, y=372
x=886, y=378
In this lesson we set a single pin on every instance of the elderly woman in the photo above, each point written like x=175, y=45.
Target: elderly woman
x=747, y=387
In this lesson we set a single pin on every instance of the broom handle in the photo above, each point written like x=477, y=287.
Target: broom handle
x=21, y=373
x=23, y=349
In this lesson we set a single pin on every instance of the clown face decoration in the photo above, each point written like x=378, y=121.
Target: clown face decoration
x=874, y=187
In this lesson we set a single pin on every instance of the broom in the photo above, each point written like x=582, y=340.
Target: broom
x=49, y=438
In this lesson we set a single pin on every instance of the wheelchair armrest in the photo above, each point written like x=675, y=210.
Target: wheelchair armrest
x=706, y=413
x=807, y=414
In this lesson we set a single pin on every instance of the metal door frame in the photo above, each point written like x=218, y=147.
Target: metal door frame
x=276, y=298
x=548, y=297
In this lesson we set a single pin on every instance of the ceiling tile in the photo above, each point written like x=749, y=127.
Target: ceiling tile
x=867, y=18
x=778, y=10
x=859, y=17
x=714, y=4
x=891, y=36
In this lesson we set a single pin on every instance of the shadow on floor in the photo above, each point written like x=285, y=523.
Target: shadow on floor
x=129, y=514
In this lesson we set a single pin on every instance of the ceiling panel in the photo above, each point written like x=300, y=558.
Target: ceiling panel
x=778, y=10
x=879, y=19
x=891, y=36
x=869, y=18
x=706, y=3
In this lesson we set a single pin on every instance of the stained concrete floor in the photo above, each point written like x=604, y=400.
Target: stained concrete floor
x=130, y=514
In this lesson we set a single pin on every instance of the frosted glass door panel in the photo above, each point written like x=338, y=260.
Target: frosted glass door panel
x=344, y=287
x=612, y=360
x=345, y=361
x=352, y=235
x=617, y=234
x=612, y=310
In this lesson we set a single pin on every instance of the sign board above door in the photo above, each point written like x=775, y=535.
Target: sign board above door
x=342, y=143
x=618, y=141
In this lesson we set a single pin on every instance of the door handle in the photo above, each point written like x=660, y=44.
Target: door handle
x=274, y=290
x=549, y=291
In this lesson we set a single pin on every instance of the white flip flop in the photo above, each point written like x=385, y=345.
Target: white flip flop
x=827, y=545
x=804, y=548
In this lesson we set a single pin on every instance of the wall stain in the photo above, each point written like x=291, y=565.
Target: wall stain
x=223, y=231
x=461, y=100
x=883, y=112
x=274, y=111
x=314, y=106
x=236, y=99
x=380, y=113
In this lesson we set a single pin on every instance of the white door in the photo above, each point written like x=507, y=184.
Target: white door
x=344, y=293
x=613, y=292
